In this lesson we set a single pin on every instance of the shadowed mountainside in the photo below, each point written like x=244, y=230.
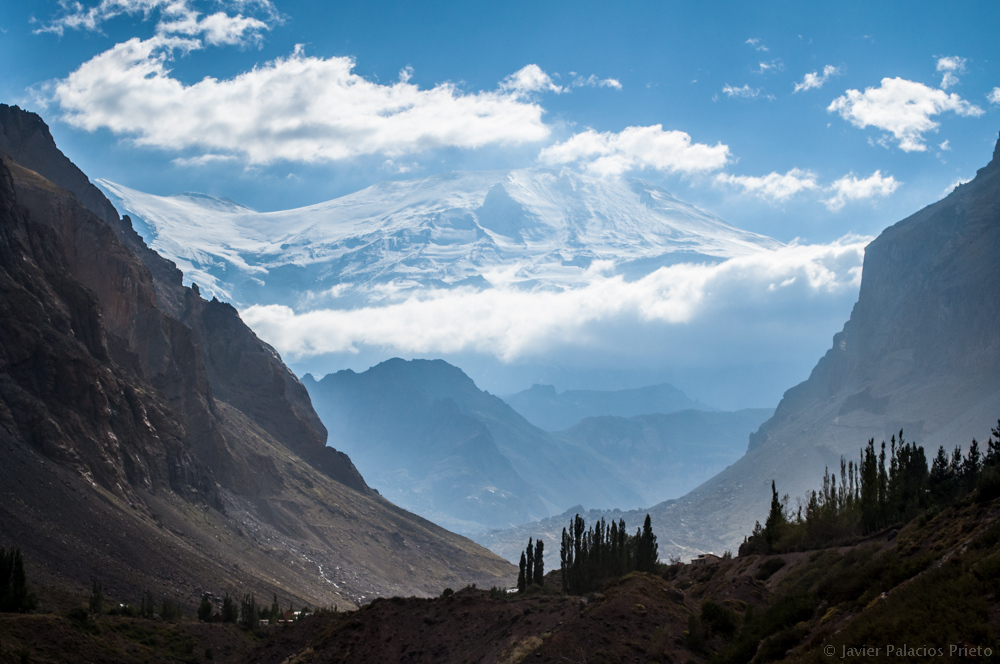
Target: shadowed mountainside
x=152, y=441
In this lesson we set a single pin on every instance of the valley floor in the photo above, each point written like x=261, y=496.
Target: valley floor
x=930, y=584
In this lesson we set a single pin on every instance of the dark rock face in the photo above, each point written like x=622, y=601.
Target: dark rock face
x=59, y=392
x=186, y=347
x=925, y=319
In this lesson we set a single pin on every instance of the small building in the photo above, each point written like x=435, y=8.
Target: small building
x=705, y=558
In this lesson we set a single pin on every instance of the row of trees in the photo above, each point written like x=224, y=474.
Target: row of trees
x=588, y=557
x=879, y=490
x=532, y=568
x=248, y=614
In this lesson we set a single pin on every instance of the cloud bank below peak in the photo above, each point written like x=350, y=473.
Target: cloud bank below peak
x=514, y=324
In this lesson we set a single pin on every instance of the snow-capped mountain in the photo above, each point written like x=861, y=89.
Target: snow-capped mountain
x=530, y=228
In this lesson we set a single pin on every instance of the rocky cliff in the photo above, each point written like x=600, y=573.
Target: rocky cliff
x=921, y=353
x=151, y=440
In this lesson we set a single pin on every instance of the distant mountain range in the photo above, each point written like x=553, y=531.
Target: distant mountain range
x=426, y=437
x=532, y=227
x=152, y=442
x=548, y=409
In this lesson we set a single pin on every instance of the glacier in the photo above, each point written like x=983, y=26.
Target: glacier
x=528, y=228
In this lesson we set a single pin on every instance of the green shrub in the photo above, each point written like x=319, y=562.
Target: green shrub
x=719, y=619
x=769, y=567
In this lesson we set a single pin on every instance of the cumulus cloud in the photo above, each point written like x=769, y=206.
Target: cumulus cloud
x=951, y=66
x=773, y=186
x=757, y=44
x=296, y=108
x=850, y=188
x=745, y=92
x=903, y=108
x=513, y=324
x=994, y=96
x=636, y=148
x=815, y=80
x=528, y=79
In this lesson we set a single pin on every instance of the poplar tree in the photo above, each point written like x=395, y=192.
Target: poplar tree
x=529, y=563
x=205, y=609
x=539, y=563
x=521, y=585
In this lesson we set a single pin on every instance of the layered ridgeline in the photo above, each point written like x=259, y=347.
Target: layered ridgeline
x=151, y=441
x=545, y=407
x=431, y=441
x=533, y=227
x=921, y=353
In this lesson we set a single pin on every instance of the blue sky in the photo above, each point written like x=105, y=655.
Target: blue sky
x=795, y=120
x=674, y=63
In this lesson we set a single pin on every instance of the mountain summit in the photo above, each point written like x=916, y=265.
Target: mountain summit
x=531, y=227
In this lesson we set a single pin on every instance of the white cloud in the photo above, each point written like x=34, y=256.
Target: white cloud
x=815, y=79
x=203, y=160
x=636, y=148
x=593, y=82
x=297, y=108
x=745, y=92
x=950, y=65
x=773, y=186
x=850, y=188
x=177, y=17
x=512, y=324
x=903, y=108
x=994, y=96
x=756, y=44
x=528, y=79
x=765, y=67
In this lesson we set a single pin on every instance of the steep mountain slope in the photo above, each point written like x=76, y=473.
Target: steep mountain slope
x=152, y=441
x=534, y=227
x=554, y=411
x=433, y=442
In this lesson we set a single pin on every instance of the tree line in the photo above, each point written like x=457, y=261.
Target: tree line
x=589, y=557
x=531, y=570
x=881, y=489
